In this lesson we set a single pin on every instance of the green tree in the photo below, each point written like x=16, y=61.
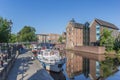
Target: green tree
x=117, y=48
x=5, y=30
x=27, y=34
x=117, y=44
x=107, y=67
x=107, y=40
x=13, y=38
x=60, y=39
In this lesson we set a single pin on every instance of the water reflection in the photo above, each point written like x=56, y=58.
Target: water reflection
x=73, y=68
x=57, y=75
x=73, y=64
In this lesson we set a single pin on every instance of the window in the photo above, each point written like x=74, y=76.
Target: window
x=86, y=65
x=97, y=32
x=97, y=29
x=70, y=29
x=97, y=69
x=97, y=26
x=97, y=37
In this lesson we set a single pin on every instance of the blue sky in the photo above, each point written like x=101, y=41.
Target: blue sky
x=52, y=16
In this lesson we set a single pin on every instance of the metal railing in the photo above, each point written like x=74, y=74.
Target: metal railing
x=8, y=54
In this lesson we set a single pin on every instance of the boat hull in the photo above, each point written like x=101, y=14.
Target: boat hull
x=51, y=60
x=56, y=67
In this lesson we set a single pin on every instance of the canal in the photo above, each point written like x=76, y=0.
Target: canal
x=72, y=69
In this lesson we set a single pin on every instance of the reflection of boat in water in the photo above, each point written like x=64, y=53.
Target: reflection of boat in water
x=51, y=59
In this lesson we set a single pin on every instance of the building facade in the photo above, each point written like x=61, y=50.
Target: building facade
x=74, y=34
x=42, y=38
x=91, y=55
x=97, y=26
x=81, y=37
x=73, y=65
x=53, y=38
x=48, y=38
x=86, y=34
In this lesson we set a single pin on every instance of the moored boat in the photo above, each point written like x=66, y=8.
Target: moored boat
x=51, y=60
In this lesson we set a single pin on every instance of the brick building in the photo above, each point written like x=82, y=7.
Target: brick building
x=50, y=38
x=74, y=64
x=74, y=34
x=78, y=35
x=87, y=34
x=53, y=38
x=97, y=26
x=42, y=38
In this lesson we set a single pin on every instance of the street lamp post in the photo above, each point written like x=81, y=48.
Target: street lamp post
x=10, y=23
x=9, y=39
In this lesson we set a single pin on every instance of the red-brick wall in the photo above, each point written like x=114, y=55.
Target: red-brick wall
x=74, y=36
x=74, y=64
x=93, y=32
x=93, y=68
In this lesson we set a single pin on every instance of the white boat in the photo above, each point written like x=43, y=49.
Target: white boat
x=51, y=60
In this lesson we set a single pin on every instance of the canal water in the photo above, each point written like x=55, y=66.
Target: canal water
x=72, y=69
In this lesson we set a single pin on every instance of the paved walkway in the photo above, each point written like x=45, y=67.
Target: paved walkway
x=26, y=69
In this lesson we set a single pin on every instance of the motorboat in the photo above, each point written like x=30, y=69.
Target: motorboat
x=51, y=60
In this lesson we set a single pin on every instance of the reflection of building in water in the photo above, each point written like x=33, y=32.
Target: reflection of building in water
x=91, y=56
x=83, y=61
x=84, y=39
x=74, y=64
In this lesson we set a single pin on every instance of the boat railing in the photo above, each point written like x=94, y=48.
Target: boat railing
x=54, y=61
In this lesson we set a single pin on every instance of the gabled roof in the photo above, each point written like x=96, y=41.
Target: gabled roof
x=75, y=25
x=78, y=25
x=106, y=24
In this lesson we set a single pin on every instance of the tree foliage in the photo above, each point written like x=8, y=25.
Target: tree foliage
x=117, y=44
x=107, y=40
x=27, y=34
x=5, y=30
x=60, y=39
x=13, y=38
x=107, y=67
